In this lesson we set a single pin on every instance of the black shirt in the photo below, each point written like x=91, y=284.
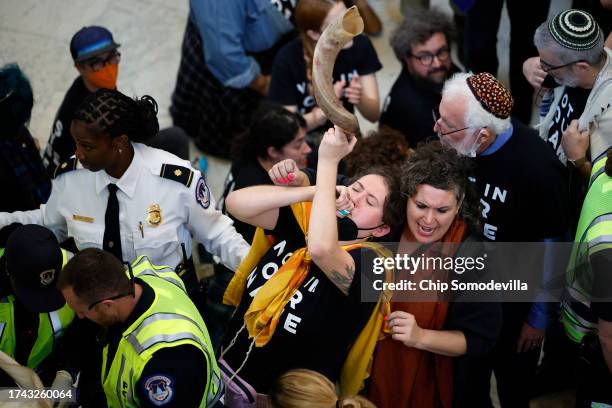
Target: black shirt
x=26, y=333
x=570, y=107
x=243, y=173
x=316, y=327
x=61, y=145
x=408, y=107
x=174, y=376
x=524, y=191
x=25, y=183
x=289, y=85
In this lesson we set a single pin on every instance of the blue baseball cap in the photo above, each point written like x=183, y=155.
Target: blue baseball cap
x=91, y=41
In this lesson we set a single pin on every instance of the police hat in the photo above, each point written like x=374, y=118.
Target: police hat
x=33, y=262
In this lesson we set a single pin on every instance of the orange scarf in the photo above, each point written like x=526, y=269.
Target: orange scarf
x=261, y=318
x=426, y=379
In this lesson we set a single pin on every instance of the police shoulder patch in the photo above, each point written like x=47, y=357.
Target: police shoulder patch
x=181, y=174
x=65, y=167
x=202, y=193
x=159, y=389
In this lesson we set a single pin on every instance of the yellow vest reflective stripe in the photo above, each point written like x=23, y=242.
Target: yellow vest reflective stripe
x=171, y=320
x=594, y=233
x=50, y=327
x=142, y=267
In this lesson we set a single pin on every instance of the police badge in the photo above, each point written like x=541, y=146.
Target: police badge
x=46, y=277
x=202, y=193
x=154, y=215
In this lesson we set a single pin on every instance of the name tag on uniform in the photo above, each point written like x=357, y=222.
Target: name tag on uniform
x=82, y=218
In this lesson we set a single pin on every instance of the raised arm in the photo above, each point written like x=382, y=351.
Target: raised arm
x=363, y=93
x=258, y=205
x=337, y=264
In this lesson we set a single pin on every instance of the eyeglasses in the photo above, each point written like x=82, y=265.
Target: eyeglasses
x=551, y=68
x=131, y=292
x=435, y=112
x=427, y=58
x=98, y=63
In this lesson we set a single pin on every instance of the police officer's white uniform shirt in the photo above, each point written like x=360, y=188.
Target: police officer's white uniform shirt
x=78, y=202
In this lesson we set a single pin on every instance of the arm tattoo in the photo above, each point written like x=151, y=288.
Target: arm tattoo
x=343, y=280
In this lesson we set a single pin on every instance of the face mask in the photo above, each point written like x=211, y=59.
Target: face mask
x=348, y=230
x=473, y=150
x=460, y=148
x=549, y=82
x=105, y=77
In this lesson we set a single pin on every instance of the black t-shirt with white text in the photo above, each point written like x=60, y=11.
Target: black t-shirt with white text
x=570, y=107
x=524, y=190
x=289, y=84
x=316, y=327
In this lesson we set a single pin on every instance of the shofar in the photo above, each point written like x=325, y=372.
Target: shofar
x=335, y=36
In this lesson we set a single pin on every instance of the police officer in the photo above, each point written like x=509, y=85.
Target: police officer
x=33, y=314
x=127, y=198
x=156, y=348
x=586, y=310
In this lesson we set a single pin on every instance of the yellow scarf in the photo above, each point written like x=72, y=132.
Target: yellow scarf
x=262, y=316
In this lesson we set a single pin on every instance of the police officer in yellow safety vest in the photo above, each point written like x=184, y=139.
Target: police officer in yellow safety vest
x=33, y=314
x=587, y=307
x=156, y=348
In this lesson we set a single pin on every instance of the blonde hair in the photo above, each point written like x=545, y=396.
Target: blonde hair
x=302, y=388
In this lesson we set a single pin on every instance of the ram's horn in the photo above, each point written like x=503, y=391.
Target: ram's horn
x=335, y=36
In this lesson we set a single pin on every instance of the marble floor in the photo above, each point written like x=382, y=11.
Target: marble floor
x=36, y=34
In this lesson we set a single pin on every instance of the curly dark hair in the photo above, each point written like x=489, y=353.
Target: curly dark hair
x=394, y=207
x=417, y=27
x=383, y=147
x=116, y=114
x=442, y=167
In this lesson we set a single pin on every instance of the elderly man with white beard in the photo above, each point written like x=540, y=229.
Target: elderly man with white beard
x=524, y=199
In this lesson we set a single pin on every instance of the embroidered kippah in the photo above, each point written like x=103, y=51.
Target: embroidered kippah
x=491, y=94
x=575, y=29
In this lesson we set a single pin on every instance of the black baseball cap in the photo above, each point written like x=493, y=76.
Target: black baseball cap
x=33, y=262
x=91, y=41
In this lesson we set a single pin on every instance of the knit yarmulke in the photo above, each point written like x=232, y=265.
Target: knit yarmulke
x=575, y=29
x=491, y=94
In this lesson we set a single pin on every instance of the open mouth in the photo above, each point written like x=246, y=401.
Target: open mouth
x=426, y=231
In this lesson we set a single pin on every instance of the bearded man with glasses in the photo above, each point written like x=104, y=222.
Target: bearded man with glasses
x=575, y=116
x=422, y=44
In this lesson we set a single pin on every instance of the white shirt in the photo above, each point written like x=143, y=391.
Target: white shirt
x=78, y=200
